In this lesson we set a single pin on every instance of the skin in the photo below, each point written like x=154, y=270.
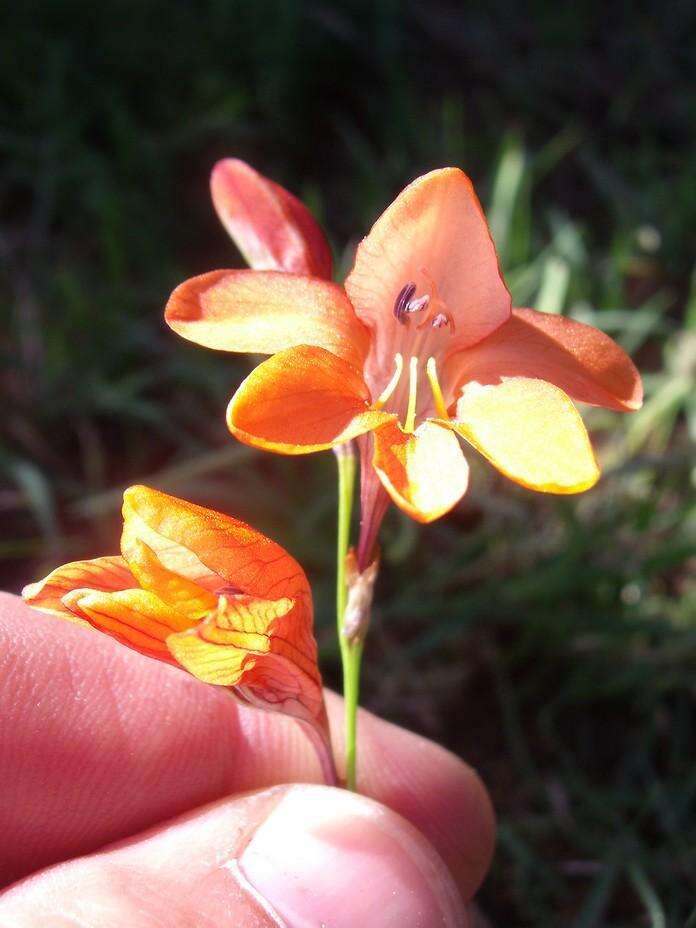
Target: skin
x=133, y=794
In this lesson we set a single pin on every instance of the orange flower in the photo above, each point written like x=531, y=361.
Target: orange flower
x=420, y=347
x=205, y=592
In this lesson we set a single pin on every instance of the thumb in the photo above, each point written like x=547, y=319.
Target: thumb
x=290, y=856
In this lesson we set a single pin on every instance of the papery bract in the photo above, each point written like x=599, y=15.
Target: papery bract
x=426, y=347
x=205, y=592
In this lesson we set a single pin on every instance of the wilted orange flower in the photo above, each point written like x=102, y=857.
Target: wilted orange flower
x=207, y=593
x=420, y=347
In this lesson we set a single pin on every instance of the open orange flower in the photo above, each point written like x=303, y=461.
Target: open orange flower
x=421, y=346
x=205, y=592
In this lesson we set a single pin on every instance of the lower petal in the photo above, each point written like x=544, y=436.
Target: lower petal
x=530, y=431
x=425, y=472
x=301, y=400
x=136, y=618
x=100, y=573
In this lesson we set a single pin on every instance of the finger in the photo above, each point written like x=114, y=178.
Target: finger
x=99, y=743
x=294, y=856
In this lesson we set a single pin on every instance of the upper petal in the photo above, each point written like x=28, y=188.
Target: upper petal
x=435, y=224
x=301, y=400
x=101, y=573
x=580, y=359
x=212, y=549
x=425, y=473
x=531, y=432
x=265, y=312
x=270, y=226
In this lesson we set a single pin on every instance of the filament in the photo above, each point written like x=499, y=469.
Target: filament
x=391, y=386
x=431, y=370
x=412, y=394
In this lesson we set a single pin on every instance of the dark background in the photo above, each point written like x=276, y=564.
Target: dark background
x=550, y=641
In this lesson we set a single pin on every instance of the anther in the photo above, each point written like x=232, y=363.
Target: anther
x=415, y=306
x=405, y=304
x=403, y=299
x=441, y=320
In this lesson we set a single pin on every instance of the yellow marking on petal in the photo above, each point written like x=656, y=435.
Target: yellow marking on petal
x=226, y=644
x=431, y=370
x=410, y=423
x=391, y=386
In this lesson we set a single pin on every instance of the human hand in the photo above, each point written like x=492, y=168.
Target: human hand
x=101, y=745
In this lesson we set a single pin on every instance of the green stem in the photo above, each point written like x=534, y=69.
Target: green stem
x=351, y=695
x=350, y=652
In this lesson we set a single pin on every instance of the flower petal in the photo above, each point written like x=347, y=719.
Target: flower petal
x=425, y=473
x=136, y=618
x=435, y=224
x=101, y=573
x=232, y=638
x=530, y=431
x=187, y=596
x=212, y=549
x=265, y=650
x=270, y=226
x=300, y=400
x=264, y=312
x=581, y=360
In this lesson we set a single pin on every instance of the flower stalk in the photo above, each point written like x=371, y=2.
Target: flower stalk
x=355, y=582
x=351, y=651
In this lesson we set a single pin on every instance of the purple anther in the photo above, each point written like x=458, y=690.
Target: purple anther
x=402, y=301
x=415, y=306
x=440, y=320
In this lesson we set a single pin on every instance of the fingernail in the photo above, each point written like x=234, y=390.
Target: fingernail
x=329, y=857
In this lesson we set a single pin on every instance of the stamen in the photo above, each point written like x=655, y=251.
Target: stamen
x=431, y=370
x=391, y=386
x=402, y=301
x=415, y=306
x=409, y=424
x=443, y=319
x=437, y=316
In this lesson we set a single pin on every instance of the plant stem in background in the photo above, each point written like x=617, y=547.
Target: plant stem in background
x=350, y=652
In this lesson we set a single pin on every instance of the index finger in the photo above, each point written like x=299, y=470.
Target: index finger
x=100, y=743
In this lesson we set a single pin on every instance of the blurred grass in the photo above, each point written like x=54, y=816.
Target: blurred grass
x=551, y=642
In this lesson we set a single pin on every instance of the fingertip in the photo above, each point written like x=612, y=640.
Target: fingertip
x=300, y=856
x=431, y=787
x=350, y=859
